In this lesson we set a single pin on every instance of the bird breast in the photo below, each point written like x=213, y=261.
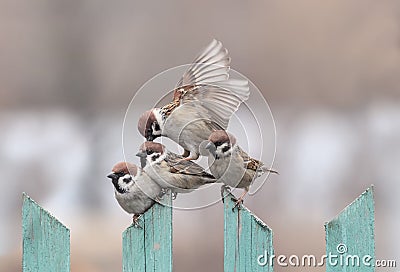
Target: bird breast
x=231, y=171
x=140, y=197
x=186, y=131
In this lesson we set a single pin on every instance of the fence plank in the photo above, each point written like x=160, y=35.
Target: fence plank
x=246, y=237
x=350, y=236
x=150, y=248
x=45, y=241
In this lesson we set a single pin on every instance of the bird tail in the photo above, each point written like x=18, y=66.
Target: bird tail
x=264, y=169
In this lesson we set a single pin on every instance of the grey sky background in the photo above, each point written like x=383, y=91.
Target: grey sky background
x=328, y=69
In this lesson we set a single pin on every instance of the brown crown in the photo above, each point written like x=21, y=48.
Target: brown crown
x=222, y=136
x=153, y=146
x=145, y=121
x=125, y=167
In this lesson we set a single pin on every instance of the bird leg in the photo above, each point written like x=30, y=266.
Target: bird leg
x=192, y=157
x=160, y=195
x=136, y=220
x=223, y=188
x=240, y=200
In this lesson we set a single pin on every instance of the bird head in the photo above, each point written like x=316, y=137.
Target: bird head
x=148, y=125
x=123, y=176
x=220, y=143
x=150, y=152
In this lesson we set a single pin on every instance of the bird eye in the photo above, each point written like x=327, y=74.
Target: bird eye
x=149, y=152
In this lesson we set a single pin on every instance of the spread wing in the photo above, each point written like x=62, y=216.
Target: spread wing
x=217, y=103
x=211, y=65
x=177, y=165
x=206, y=86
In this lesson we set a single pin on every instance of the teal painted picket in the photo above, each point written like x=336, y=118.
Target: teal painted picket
x=246, y=237
x=350, y=236
x=45, y=241
x=149, y=247
x=247, y=240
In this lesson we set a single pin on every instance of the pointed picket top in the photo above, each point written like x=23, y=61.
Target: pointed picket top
x=45, y=241
x=350, y=236
x=247, y=239
x=149, y=247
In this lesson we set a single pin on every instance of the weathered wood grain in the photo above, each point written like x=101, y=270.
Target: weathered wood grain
x=149, y=248
x=350, y=236
x=45, y=241
x=246, y=237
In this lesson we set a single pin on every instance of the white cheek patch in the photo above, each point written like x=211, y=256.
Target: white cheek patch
x=160, y=121
x=155, y=158
x=224, y=147
x=123, y=185
x=155, y=131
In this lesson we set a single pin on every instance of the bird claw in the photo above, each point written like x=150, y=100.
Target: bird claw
x=238, y=203
x=223, y=188
x=135, y=221
x=174, y=195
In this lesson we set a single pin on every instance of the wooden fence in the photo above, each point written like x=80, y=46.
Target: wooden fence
x=247, y=240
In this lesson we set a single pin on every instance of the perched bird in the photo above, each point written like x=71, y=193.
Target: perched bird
x=134, y=190
x=204, y=100
x=230, y=164
x=170, y=171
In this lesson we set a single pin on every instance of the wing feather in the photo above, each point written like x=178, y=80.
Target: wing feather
x=211, y=65
x=180, y=166
x=218, y=103
x=207, y=87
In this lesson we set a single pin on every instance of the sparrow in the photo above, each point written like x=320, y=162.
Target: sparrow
x=134, y=190
x=170, y=171
x=204, y=100
x=231, y=165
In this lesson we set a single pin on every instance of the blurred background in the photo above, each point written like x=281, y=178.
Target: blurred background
x=328, y=69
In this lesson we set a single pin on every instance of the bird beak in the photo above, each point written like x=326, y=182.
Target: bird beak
x=141, y=154
x=211, y=148
x=112, y=176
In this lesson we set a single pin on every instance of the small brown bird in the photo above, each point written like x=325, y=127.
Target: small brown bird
x=170, y=171
x=204, y=100
x=230, y=164
x=134, y=190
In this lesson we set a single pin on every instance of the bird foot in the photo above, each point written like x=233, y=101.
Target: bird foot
x=135, y=221
x=238, y=203
x=223, y=188
x=174, y=195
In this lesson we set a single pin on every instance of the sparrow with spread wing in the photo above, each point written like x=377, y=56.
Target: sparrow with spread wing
x=134, y=190
x=170, y=171
x=230, y=164
x=204, y=100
